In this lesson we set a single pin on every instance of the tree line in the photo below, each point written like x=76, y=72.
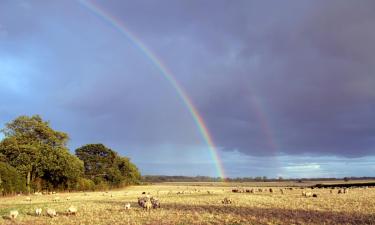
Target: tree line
x=35, y=157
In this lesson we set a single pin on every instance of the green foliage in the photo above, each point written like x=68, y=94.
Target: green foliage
x=39, y=152
x=85, y=184
x=11, y=181
x=38, y=157
x=102, y=164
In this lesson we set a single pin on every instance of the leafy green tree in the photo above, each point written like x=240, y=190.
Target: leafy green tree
x=128, y=170
x=97, y=158
x=37, y=151
x=103, y=164
x=11, y=181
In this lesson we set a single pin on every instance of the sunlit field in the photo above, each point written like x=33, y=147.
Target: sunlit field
x=198, y=203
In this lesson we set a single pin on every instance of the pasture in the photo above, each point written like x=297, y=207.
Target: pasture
x=197, y=203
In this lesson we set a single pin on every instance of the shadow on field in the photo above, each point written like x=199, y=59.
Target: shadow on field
x=286, y=215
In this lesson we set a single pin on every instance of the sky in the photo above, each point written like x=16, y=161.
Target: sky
x=285, y=88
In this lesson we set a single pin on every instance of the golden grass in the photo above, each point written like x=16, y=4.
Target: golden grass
x=197, y=206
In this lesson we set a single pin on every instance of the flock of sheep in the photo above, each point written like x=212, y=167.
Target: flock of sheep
x=148, y=202
x=72, y=210
x=282, y=191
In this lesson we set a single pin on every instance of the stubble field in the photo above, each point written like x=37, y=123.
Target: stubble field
x=198, y=203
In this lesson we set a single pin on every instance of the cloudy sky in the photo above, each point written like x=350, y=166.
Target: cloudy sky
x=286, y=88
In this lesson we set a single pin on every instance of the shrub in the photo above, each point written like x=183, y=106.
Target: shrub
x=11, y=181
x=84, y=184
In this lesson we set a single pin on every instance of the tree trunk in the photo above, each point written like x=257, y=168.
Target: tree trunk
x=28, y=181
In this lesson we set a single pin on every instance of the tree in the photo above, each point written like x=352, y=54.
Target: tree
x=128, y=170
x=39, y=152
x=97, y=159
x=11, y=181
x=103, y=164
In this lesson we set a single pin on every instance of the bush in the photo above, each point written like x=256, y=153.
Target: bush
x=11, y=181
x=84, y=184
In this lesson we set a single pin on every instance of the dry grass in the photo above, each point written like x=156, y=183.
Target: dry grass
x=197, y=206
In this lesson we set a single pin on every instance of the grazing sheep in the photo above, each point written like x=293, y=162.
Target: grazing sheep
x=56, y=199
x=143, y=193
x=68, y=198
x=13, y=214
x=306, y=194
x=271, y=190
x=227, y=201
x=147, y=205
x=127, y=206
x=155, y=202
x=72, y=210
x=315, y=195
x=346, y=190
x=28, y=199
x=51, y=213
x=260, y=190
x=38, y=211
x=235, y=190
x=142, y=201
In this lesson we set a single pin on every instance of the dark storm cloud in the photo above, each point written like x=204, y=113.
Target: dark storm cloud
x=306, y=67
x=268, y=77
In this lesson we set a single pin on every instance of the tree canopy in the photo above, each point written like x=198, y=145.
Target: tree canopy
x=102, y=164
x=41, y=157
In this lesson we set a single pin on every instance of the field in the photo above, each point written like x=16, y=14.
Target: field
x=199, y=203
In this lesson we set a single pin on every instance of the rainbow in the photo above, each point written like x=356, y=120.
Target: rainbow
x=202, y=127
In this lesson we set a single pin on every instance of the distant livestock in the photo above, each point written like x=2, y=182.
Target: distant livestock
x=13, y=214
x=127, y=206
x=142, y=201
x=226, y=201
x=51, y=213
x=72, y=210
x=38, y=212
x=155, y=202
x=147, y=205
x=343, y=191
x=307, y=194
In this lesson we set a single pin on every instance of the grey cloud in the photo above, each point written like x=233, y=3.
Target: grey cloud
x=268, y=77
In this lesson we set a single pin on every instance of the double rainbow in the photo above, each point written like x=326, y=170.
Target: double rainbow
x=120, y=26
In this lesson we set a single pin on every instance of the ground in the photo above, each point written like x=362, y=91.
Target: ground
x=199, y=203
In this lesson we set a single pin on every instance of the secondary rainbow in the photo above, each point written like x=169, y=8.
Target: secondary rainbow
x=119, y=25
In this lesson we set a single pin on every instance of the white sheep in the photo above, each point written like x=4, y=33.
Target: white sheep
x=72, y=210
x=51, y=212
x=307, y=194
x=127, y=206
x=68, y=198
x=28, y=199
x=38, y=211
x=13, y=214
x=56, y=199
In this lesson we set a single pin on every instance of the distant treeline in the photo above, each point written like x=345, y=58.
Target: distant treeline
x=34, y=157
x=162, y=178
